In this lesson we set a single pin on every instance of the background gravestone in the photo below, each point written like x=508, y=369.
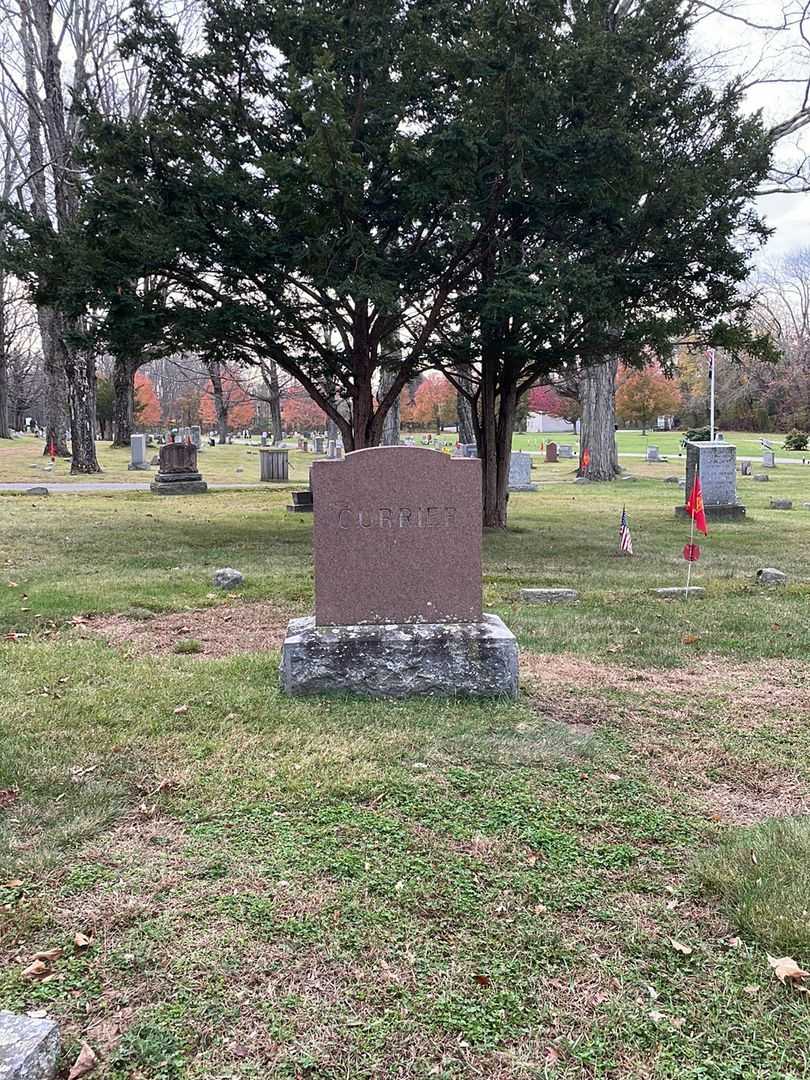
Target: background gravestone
x=768, y=459
x=177, y=471
x=137, y=448
x=551, y=453
x=717, y=462
x=397, y=552
x=520, y=472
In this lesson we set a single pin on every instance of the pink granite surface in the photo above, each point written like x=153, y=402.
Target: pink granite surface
x=397, y=537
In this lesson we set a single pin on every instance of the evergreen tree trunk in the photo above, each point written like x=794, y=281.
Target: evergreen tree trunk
x=80, y=366
x=391, y=424
x=275, y=404
x=55, y=403
x=5, y=430
x=123, y=418
x=464, y=413
x=220, y=405
x=391, y=361
x=597, y=396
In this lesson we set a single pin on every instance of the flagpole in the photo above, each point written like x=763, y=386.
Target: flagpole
x=689, y=562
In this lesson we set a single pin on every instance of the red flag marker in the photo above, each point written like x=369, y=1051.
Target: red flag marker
x=691, y=552
x=586, y=458
x=694, y=507
x=52, y=451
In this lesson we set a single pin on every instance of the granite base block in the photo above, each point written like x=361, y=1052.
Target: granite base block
x=28, y=1047
x=181, y=487
x=716, y=513
x=401, y=660
x=522, y=487
x=138, y=467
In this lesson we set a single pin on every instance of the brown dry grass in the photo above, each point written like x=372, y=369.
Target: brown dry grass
x=222, y=630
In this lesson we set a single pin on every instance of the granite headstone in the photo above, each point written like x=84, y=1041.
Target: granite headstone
x=397, y=552
x=177, y=471
x=717, y=463
x=520, y=472
x=137, y=450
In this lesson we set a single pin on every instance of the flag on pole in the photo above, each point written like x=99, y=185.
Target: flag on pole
x=694, y=506
x=625, y=539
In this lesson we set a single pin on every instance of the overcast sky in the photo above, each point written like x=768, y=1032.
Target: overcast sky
x=770, y=54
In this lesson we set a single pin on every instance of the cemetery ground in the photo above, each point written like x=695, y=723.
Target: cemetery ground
x=585, y=882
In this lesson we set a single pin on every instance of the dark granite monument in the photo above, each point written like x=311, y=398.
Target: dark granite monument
x=177, y=471
x=397, y=547
x=717, y=462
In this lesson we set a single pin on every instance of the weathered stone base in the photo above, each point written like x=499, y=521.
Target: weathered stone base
x=28, y=1048
x=716, y=513
x=522, y=487
x=143, y=467
x=401, y=660
x=178, y=487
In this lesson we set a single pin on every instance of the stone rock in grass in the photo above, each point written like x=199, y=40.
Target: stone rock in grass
x=781, y=504
x=769, y=575
x=762, y=477
x=582, y=480
x=227, y=578
x=629, y=477
x=37, y=491
x=28, y=1047
x=549, y=596
x=679, y=593
x=672, y=479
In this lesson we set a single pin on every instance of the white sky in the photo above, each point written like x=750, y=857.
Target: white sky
x=769, y=54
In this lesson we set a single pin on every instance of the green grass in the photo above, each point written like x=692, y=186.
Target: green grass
x=668, y=442
x=433, y=888
x=762, y=876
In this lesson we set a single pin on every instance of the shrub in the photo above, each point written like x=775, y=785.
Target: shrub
x=188, y=646
x=796, y=440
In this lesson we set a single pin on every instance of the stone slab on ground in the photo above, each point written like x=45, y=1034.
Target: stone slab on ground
x=393, y=660
x=37, y=491
x=763, y=478
x=716, y=513
x=781, y=504
x=769, y=575
x=549, y=596
x=28, y=1047
x=679, y=593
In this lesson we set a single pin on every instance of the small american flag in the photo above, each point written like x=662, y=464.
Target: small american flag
x=625, y=539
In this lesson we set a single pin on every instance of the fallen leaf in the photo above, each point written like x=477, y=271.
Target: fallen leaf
x=552, y=1056
x=7, y=797
x=49, y=955
x=181, y=710
x=690, y=639
x=12, y=584
x=483, y=980
x=678, y=1022
x=15, y=883
x=84, y=1063
x=656, y=1016
x=679, y=946
x=82, y=941
x=786, y=969
x=37, y=1014
x=37, y=970
x=752, y=989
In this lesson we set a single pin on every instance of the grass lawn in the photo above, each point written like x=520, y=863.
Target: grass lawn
x=668, y=442
x=21, y=461
x=559, y=886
